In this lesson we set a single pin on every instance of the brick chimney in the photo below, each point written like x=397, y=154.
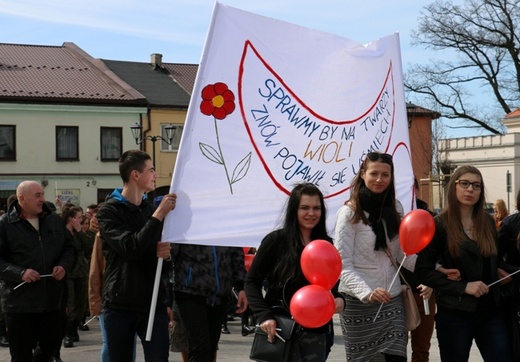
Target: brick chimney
x=156, y=60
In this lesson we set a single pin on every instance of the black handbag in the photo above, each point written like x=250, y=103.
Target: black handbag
x=278, y=351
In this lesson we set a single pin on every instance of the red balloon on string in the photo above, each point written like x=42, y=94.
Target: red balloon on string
x=416, y=231
x=312, y=306
x=321, y=263
x=246, y=249
x=248, y=260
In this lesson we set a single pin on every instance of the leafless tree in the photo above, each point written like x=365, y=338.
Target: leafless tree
x=477, y=46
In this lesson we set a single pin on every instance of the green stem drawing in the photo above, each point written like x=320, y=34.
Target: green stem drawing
x=222, y=157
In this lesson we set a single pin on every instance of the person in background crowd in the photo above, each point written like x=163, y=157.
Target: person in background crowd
x=85, y=223
x=367, y=229
x=278, y=260
x=509, y=251
x=95, y=292
x=203, y=278
x=77, y=280
x=465, y=239
x=500, y=212
x=4, y=340
x=92, y=230
x=420, y=337
x=130, y=228
x=35, y=255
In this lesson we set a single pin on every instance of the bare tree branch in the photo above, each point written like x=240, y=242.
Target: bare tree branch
x=484, y=36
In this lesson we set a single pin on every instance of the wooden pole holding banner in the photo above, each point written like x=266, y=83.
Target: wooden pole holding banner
x=154, y=299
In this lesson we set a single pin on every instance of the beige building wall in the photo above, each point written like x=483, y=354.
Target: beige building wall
x=494, y=156
x=36, y=147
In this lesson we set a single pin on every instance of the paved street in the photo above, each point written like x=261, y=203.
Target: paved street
x=233, y=347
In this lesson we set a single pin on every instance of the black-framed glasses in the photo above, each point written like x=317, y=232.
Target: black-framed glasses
x=465, y=184
x=375, y=156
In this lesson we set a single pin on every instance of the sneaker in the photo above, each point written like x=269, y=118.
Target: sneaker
x=225, y=329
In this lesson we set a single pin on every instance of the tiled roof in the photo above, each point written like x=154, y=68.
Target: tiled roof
x=515, y=113
x=59, y=74
x=155, y=83
x=184, y=74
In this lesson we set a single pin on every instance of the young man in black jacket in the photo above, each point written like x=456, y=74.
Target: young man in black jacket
x=35, y=255
x=131, y=227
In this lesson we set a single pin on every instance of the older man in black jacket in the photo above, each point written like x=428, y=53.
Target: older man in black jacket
x=35, y=254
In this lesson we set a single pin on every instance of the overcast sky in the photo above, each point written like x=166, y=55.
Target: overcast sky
x=133, y=29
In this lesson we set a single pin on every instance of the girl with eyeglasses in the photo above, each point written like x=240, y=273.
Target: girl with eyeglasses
x=468, y=308
x=367, y=229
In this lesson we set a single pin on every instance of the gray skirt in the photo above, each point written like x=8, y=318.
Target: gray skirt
x=366, y=339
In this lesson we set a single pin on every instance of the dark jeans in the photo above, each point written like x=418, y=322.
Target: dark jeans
x=77, y=289
x=202, y=323
x=457, y=330
x=26, y=330
x=121, y=327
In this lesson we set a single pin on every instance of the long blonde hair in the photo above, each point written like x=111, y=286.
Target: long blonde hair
x=483, y=231
x=500, y=210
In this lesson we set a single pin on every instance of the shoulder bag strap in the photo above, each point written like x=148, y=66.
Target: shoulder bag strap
x=395, y=265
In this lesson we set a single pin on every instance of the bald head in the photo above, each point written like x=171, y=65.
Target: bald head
x=30, y=198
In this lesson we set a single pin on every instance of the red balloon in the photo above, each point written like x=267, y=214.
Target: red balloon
x=312, y=306
x=321, y=263
x=248, y=259
x=416, y=231
x=246, y=249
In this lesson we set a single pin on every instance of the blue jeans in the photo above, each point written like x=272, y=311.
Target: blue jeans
x=457, y=330
x=104, y=346
x=122, y=326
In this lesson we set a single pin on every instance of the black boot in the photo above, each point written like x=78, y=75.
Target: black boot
x=4, y=341
x=82, y=326
x=68, y=342
x=247, y=330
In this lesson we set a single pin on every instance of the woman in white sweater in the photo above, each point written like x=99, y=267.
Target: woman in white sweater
x=366, y=230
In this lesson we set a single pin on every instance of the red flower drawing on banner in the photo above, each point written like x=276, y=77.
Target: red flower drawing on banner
x=219, y=101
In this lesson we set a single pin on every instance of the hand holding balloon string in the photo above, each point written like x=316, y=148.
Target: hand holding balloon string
x=415, y=233
x=41, y=276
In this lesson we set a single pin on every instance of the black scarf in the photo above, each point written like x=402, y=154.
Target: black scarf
x=379, y=208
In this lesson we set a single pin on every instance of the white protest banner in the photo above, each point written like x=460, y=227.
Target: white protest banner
x=276, y=104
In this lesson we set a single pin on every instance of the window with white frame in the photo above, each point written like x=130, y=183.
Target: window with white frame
x=7, y=143
x=174, y=147
x=67, y=143
x=111, y=143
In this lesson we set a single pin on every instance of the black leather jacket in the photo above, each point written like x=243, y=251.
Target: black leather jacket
x=23, y=247
x=130, y=235
x=450, y=294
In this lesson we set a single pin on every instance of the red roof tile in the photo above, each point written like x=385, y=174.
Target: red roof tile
x=184, y=74
x=515, y=113
x=64, y=73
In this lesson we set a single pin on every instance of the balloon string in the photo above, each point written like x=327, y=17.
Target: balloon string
x=391, y=284
x=499, y=280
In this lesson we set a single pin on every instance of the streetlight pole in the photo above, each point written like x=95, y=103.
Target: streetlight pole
x=137, y=133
